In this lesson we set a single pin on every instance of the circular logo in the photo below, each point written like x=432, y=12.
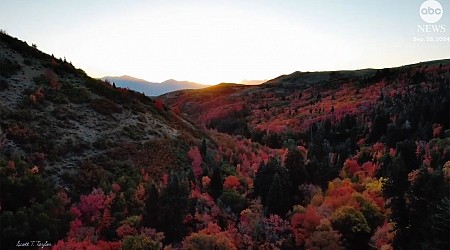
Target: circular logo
x=431, y=11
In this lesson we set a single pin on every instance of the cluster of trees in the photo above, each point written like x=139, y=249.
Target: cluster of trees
x=284, y=209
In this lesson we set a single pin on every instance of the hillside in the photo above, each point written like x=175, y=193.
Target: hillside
x=62, y=130
x=343, y=132
x=309, y=160
x=151, y=88
x=50, y=107
x=292, y=103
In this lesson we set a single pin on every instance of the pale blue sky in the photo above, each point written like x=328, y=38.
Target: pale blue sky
x=224, y=41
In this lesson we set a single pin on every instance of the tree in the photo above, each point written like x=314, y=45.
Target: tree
x=203, y=148
x=255, y=231
x=384, y=236
x=151, y=209
x=210, y=238
x=231, y=182
x=396, y=188
x=277, y=199
x=216, y=185
x=304, y=223
x=264, y=178
x=174, y=207
x=324, y=237
x=140, y=241
x=159, y=104
x=2, y=139
x=196, y=158
x=353, y=226
x=440, y=221
x=351, y=166
x=295, y=163
x=233, y=200
x=264, y=181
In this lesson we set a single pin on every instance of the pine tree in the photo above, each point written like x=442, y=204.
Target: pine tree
x=277, y=199
x=174, y=207
x=264, y=180
x=203, y=148
x=216, y=186
x=151, y=212
x=295, y=163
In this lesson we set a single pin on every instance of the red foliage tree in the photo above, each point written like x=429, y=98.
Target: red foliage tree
x=196, y=158
x=384, y=236
x=351, y=166
x=231, y=182
x=324, y=238
x=303, y=224
x=159, y=104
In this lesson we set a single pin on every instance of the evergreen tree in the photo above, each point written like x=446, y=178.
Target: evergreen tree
x=295, y=163
x=216, y=186
x=264, y=178
x=277, y=199
x=438, y=237
x=174, y=207
x=151, y=212
x=203, y=148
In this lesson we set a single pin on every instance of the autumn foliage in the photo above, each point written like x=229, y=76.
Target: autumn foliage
x=359, y=160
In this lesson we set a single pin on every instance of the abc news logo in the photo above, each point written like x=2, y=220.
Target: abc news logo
x=431, y=12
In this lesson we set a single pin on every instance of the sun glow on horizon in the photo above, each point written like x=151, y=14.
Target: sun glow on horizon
x=214, y=42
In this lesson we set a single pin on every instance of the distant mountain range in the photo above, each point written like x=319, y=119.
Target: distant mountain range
x=151, y=88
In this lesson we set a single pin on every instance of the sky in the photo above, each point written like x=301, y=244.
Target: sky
x=225, y=41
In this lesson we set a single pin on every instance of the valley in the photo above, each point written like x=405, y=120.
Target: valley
x=308, y=160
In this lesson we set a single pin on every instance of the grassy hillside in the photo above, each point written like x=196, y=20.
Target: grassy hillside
x=62, y=131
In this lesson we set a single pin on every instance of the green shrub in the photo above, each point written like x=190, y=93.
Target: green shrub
x=41, y=80
x=79, y=95
x=234, y=201
x=28, y=61
x=3, y=84
x=57, y=97
x=8, y=67
x=76, y=95
x=106, y=107
x=133, y=132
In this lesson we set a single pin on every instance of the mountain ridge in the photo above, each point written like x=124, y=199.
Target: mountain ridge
x=151, y=88
x=285, y=89
x=345, y=74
